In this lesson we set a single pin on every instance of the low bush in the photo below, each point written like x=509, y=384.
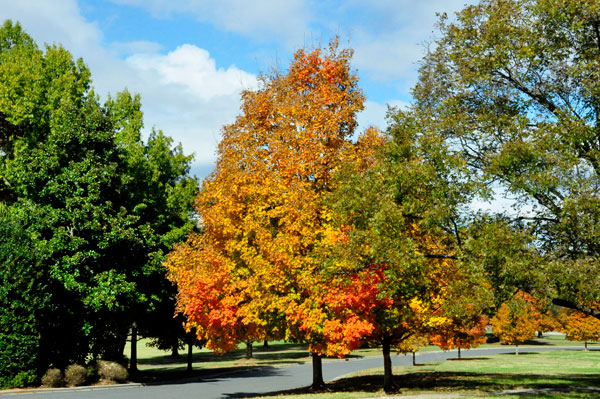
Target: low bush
x=22, y=379
x=75, y=375
x=112, y=371
x=53, y=378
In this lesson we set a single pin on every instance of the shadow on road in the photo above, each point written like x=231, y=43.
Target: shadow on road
x=176, y=377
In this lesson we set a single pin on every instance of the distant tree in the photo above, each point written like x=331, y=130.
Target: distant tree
x=412, y=345
x=578, y=326
x=464, y=306
x=516, y=320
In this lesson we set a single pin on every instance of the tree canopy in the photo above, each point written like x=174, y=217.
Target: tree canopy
x=104, y=205
x=511, y=88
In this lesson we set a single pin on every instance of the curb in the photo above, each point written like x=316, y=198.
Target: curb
x=69, y=389
x=24, y=391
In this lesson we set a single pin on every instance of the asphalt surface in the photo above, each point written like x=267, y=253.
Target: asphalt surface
x=252, y=382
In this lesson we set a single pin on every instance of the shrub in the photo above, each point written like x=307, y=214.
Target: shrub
x=92, y=373
x=112, y=371
x=75, y=375
x=53, y=378
x=23, y=379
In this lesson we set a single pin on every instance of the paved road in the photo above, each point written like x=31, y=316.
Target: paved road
x=263, y=380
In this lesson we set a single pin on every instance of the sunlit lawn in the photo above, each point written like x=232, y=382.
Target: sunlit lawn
x=560, y=374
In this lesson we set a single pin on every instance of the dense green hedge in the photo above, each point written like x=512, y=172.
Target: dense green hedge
x=22, y=297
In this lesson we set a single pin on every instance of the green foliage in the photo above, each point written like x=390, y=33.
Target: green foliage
x=24, y=297
x=512, y=88
x=104, y=207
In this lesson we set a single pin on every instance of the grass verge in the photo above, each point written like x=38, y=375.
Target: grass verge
x=560, y=374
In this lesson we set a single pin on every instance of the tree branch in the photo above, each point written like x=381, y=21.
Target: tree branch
x=543, y=100
x=432, y=256
x=537, y=219
x=456, y=233
x=571, y=305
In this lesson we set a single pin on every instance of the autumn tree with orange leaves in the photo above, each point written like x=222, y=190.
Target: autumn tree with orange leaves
x=464, y=308
x=252, y=273
x=516, y=320
x=578, y=326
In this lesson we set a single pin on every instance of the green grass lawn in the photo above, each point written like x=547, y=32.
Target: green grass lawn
x=560, y=374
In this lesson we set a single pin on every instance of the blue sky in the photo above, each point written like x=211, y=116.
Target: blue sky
x=190, y=59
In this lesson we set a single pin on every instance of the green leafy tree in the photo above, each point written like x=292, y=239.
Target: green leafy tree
x=162, y=195
x=403, y=214
x=107, y=205
x=512, y=88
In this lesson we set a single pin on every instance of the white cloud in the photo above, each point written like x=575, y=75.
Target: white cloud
x=135, y=47
x=388, y=36
x=183, y=92
x=391, y=37
x=192, y=68
x=52, y=22
x=374, y=114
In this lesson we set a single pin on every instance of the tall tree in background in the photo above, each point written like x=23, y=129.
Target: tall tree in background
x=104, y=206
x=512, y=87
x=253, y=270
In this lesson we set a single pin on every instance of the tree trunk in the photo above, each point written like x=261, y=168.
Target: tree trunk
x=266, y=344
x=175, y=349
x=388, y=377
x=585, y=343
x=249, y=350
x=189, y=356
x=133, y=358
x=317, y=366
x=459, y=353
x=516, y=349
x=414, y=358
x=540, y=334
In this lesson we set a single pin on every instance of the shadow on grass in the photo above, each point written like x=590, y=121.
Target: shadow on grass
x=544, y=385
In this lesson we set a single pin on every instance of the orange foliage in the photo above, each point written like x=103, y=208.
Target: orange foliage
x=462, y=334
x=251, y=272
x=516, y=320
x=580, y=327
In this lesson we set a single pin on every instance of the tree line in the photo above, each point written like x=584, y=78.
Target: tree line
x=302, y=232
